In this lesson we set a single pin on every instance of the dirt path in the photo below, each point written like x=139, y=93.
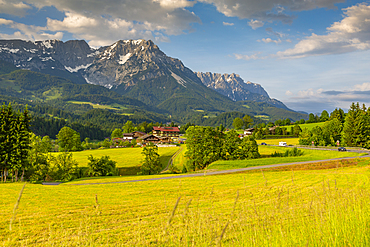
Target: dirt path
x=172, y=158
x=225, y=171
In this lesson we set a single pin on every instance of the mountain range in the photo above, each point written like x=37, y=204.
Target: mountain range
x=135, y=72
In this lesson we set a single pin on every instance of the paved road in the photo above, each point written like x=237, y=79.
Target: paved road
x=325, y=149
x=226, y=171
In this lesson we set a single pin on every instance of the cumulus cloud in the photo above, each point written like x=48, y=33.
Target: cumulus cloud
x=311, y=99
x=268, y=10
x=105, y=21
x=28, y=32
x=227, y=24
x=13, y=7
x=289, y=93
x=352, y=33
x=268, y=40
x=254, y=24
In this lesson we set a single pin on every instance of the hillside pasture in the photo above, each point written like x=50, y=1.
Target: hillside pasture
x=125, y=157
x=115, y=107
x=266, y=151
x=316, y=207
x=306, y=125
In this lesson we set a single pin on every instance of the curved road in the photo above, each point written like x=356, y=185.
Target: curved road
x=226, y=171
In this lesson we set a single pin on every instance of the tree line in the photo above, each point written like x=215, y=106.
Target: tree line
x=14, y=141
x=206, y=145
x=351, y=129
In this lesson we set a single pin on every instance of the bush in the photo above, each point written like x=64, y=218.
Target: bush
x=65, y=167
x=101, y=167
x=288, y=153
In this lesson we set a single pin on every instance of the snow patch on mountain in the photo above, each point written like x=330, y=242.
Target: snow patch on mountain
x=123, y=59
x=9, y=50
x=47, y=44
x=77, y=68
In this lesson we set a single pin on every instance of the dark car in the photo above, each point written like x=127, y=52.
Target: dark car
x=263, y=143
x=342, y=149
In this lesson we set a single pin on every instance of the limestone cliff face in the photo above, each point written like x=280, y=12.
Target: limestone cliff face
x=231, y=85
x=234, y=87
x=127, y=62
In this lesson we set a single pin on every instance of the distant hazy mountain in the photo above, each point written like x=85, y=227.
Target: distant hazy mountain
x=234, y=87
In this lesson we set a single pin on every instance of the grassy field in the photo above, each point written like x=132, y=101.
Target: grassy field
x=180, y=159
x=97, y=106
x=308, y=126
x=125, y=157
x=265, y=151
x=298, y=207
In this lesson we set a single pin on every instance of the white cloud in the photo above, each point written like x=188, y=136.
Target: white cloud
x=289, y=93
x=110, y=20
x=248, y=57
x=268, y=10
x=5, y=22
x=350, y=34
x=28, y=32
x=254, y=24
x=227, y=24
x=268, y=40
x=310, y=99
x=174, y=4
x=362, y=87
x=13, y=7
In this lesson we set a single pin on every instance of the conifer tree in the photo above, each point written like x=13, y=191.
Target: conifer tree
x=14, y=141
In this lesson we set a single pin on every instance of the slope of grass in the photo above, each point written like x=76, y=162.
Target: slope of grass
x=328, y=207
x=309, y=155
x=308, y=125
x=125, y=157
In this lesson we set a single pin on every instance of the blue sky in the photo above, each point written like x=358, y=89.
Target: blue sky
x=313, y=55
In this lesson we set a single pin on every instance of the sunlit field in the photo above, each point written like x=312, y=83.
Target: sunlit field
x=265, y=151
x=125, y=157
x=310, y=207
x=289, y=141
x=306, y=125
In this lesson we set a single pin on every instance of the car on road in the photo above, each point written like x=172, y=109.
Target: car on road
x=342, y=149
x=264, y=143
x=282, y=144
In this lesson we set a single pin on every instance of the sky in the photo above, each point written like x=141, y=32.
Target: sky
x=313, y=55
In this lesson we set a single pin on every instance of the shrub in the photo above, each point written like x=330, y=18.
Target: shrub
x=101, y=167
x=288, y=153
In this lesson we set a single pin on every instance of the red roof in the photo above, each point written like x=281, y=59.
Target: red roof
x=164, y=129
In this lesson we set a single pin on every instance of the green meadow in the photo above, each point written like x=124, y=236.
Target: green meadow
x=125, y=157
x=266, y=151
x=98, y=106
x=307, y=125
x=302, y=206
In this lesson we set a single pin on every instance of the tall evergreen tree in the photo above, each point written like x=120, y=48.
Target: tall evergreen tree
x=14, y=140
x=356, y=127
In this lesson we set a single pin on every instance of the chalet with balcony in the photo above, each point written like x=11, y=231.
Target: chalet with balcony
x=149, y=139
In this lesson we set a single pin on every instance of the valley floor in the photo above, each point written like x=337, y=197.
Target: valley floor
x=325, y=204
